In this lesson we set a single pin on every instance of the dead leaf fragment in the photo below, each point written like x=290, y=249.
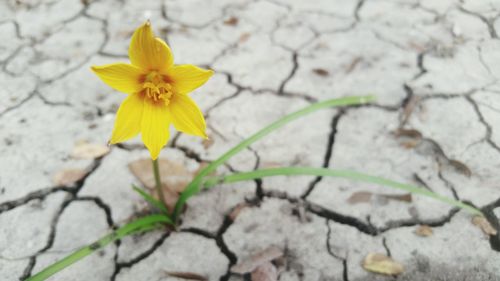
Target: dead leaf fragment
x=410, y=133
x=409, y=108
x=484, y=225
x=244, y=37
x=460, y=167
x=321, y=72
x=250, y=264
x=186, y=275
x=399, y=197
x=353, y=64
x=232, y=21
x=424, y=230
x=265, y=272
x=366, y=196
x=237, y=210
x=380, y=263
x=207, y=143
x=84, y=150
x=68, y=177
x=360, y=197
x=174, y=175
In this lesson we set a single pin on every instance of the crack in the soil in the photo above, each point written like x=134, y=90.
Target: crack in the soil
x=71, y=197
x=387, y=250
x=489, y=22
x=50, y=239
x=345, y=270
x=130, y=263
x=489, y=213
x=295, y=66
x=328, y=153
x=482, y=120
x=357, y=9
x=218, y=237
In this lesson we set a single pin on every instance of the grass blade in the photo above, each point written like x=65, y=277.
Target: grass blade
x=145, y=223
x=290, y=171
x=194, y=185
x=156, y=203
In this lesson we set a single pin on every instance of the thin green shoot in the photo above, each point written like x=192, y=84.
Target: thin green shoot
x=346, y=174
x=195, y=185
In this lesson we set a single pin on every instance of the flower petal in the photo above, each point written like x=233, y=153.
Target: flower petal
x=148, y=52
x=120, y=76
x=128, y=119
x=186, y=116
x=155, y=126
x=187, y=77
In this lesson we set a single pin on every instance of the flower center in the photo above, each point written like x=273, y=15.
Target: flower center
x=156, y=88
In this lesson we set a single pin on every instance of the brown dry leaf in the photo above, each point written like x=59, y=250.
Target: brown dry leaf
x=321, y=72
x=232, y=21
x=409, y=133
x=170, y=197
x=250, y=264
x=366, y=196
x=400, y=197
x=380, y=263
x=409, y=144
x=410, y=137
x=68, y=177
x=265, y=272
x=460, y=167
x=353, y=64
x=237, y=210
x=186, y=275
x=360, y=197
x=174, y=176
x=424, y=230
x=484, y=225
x=84, y=150
x=207, y=143
x=244, y=37
x=409, y=109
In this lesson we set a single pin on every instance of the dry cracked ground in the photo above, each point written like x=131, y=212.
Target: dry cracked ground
x=433, y=65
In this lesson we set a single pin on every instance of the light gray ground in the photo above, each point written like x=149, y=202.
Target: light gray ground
x=434, y=66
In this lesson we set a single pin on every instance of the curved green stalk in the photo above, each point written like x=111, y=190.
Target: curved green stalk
x=158, y=185
x=139, y=225
x=290, y=171
x=194, y=185
x=151, y=200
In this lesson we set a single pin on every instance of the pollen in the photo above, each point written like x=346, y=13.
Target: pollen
x=156, y=88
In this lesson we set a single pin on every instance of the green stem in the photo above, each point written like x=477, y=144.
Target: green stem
x=194, y=185
x=158, y=185
x=142, y=224
x=288, y=171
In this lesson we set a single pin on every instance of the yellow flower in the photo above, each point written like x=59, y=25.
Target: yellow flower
x=157, y=92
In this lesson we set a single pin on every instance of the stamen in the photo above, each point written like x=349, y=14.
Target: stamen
x=157, y=89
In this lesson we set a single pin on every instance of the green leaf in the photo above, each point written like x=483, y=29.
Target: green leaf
x=290, y=171
x=159, y=205
x=139, y=225
x=194, y=186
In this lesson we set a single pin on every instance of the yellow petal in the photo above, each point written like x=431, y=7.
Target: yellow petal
x=155, y=126
x=186, y=116
x=128, y=118
x=148, y=52
x=120, y=76
x=187, y=78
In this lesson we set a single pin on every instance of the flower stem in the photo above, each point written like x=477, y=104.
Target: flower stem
x=158, y=185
